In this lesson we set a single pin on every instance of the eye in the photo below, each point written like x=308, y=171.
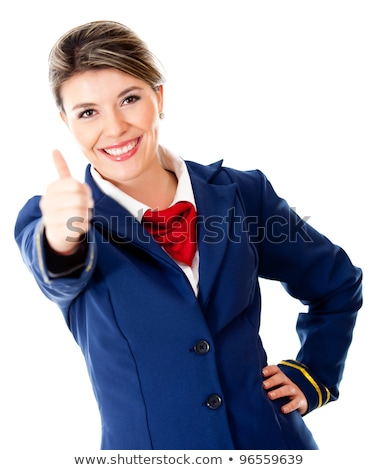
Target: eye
x=131, y=99
x=88, y=113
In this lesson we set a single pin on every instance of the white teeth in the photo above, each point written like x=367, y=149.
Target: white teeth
x=119, y=151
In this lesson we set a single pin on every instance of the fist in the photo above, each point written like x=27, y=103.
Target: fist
x=66, y=209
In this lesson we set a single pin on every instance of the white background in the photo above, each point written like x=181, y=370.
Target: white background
x=289, y=87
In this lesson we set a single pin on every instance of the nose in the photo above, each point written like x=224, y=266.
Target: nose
x=115, y=123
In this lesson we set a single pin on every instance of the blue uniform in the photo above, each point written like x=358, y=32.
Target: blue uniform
x=174, y=371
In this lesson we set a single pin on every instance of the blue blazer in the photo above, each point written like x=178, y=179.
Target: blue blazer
x=174, y=371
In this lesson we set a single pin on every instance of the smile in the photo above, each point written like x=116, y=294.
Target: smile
x=123, y=151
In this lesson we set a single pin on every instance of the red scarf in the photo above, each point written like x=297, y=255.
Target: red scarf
x=174, y=229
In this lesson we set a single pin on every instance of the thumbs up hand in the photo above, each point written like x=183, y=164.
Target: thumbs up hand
x=66, y=209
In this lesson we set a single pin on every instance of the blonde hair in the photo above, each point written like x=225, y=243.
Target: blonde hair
x=101, y=45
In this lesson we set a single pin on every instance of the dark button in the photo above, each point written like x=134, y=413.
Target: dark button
x=202, y=347
x=214, y=401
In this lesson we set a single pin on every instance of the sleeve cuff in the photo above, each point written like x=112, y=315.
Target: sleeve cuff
x=64, y=265
x=53, y=266
x=316, y=393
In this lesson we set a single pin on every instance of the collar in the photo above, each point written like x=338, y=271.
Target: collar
x=170, y=162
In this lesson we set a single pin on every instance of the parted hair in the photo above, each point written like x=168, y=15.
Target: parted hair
x=101, y=45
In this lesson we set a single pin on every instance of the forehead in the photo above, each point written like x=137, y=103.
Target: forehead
x=98, y=85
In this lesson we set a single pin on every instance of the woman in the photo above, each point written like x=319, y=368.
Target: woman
x=170, y=330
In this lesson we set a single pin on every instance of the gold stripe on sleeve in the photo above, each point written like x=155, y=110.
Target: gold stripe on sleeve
x=311, y=380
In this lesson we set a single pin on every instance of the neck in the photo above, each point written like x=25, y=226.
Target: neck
x=156, y=188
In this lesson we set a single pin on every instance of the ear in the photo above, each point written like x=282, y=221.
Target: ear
x=63, y=117
x=159, y=92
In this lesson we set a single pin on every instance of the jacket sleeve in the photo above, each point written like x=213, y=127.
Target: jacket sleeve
x=315, y=271
x=61, y=288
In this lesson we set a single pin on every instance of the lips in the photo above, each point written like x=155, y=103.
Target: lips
x=122, y=151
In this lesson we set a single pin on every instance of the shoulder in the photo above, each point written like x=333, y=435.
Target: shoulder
x=252, y=187
x=217, y=173
x=29, y=213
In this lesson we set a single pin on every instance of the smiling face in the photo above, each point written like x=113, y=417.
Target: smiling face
x=114, y=118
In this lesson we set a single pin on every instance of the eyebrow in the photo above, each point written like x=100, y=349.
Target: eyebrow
x=120, y=95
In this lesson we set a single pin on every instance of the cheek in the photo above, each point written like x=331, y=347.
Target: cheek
x=152, y=124
x=85, y=136
x=148, y=119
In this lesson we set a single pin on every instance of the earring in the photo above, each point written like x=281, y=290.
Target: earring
x=161, y=115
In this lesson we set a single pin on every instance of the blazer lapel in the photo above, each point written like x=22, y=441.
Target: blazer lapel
x=215, y=205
